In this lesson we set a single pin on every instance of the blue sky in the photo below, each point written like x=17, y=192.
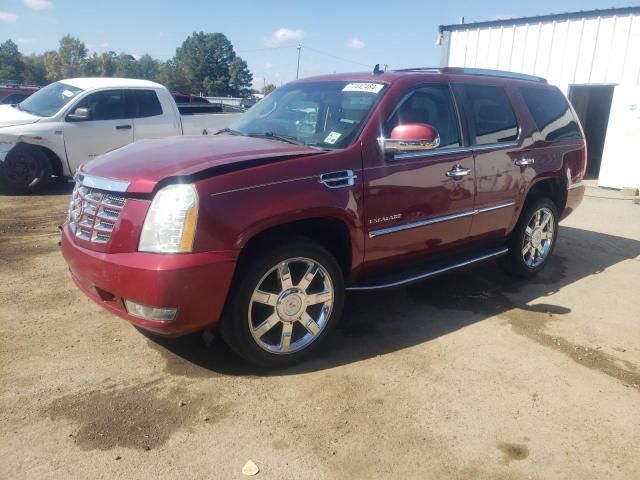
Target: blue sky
x=337, y=36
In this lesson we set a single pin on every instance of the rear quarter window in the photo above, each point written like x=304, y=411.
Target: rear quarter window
x=551, y=113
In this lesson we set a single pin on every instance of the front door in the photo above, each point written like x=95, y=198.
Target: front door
x=107, y=129
x=414, y=206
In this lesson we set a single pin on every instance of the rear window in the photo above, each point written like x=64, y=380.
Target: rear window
x=492, y=115
x=143, y=103
x=551, y=113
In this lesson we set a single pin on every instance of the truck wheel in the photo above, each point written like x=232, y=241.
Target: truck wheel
x=25, y=170
x=533, y=239
x=284, y=304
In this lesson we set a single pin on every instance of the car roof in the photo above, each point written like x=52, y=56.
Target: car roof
x=109, y=82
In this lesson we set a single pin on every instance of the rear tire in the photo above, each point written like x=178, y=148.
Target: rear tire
x=283, y=304
x=26, y=169
x=533, y=239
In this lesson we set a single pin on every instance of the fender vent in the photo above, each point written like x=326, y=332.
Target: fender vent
x=343, y=178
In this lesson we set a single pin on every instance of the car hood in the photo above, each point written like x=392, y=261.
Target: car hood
x=12, y=116
x=145, y=163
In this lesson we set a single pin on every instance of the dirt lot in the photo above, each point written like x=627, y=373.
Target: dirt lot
x=469, y=376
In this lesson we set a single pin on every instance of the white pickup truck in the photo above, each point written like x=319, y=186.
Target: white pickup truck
x=69, y=122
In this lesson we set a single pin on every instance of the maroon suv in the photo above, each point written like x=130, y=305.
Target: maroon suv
x=329, y=184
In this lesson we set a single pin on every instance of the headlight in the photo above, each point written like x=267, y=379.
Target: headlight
x=170, y=225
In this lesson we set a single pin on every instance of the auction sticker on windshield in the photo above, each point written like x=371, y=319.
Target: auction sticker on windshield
x=363, y=87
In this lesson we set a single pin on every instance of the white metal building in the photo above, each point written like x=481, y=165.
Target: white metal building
x=593, y=56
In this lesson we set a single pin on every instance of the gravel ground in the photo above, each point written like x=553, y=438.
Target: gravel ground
x=469, y=376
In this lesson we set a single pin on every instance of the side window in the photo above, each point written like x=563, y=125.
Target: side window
x=491, y=114
x=551, y=113
x=106, y=105
x=432, y=105
x=143, y=103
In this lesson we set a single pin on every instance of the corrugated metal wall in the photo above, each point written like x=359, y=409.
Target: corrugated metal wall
x=595, y=50
x=576, y=51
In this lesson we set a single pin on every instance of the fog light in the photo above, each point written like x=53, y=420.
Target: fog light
x=150, y=313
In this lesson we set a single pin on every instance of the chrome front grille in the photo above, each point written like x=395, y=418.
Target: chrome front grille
x=93, y=213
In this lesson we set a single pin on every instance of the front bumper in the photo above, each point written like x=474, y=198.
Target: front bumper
x=196, y=284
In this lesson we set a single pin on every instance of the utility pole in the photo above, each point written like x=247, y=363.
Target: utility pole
x=298, y=67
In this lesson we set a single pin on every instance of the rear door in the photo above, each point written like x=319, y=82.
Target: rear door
x=109, y=127
x=413, y=208
x=495, y=134
x=149, y=119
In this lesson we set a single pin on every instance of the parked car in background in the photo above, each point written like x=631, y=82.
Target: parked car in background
x=14, y=98
x=12, y=93
x=72, y=121
x=339, y=183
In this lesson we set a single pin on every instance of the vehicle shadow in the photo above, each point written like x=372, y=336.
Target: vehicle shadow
x=386, y=321
x=57, y=186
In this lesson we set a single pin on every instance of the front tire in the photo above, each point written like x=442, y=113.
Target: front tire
x=284, y=304
x=26, y=169
x=533, y=240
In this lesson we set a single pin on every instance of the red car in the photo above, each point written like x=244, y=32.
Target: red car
x=330, y=184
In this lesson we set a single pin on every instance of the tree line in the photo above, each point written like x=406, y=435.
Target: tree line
x=205, y=63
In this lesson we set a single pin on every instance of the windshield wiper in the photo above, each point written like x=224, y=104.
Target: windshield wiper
x=276, y=136
x=229, y=131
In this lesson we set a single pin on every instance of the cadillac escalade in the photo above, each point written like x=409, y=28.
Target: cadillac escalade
x=330, y=184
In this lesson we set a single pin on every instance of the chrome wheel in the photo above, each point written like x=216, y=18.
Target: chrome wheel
x=538, y=237
x=291, y=305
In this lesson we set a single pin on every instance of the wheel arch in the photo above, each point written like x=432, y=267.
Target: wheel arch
x=54, y=160
x=332, y=232
x=554, y=188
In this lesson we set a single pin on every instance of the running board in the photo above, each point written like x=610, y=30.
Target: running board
x=422, y=272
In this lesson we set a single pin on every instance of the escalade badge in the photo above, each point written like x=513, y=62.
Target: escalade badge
x=375, y=221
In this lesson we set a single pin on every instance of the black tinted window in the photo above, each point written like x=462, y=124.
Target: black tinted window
x=432, y=105
x=491, y=114
x=107, y=105
x=143, y=103
x=551, y=113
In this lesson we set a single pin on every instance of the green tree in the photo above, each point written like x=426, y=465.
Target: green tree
x=268, y=88
x=172, y=77
x=54, y=66
x=11, y=66
x=35, y=70
x=126, y=66
x=72, y=53
x=240, y=78
x=206, y=59
x=148, y=68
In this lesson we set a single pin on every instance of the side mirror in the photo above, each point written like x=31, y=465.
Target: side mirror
x=411, y=137
x=80, y=114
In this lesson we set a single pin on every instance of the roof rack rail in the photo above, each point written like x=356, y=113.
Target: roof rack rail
x=493, y=73
x=476, y=71
x=419, y=69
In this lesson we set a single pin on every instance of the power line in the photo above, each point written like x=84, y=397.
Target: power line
x=336, y=57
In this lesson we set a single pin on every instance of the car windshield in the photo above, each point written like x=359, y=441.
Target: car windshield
x=49, y=100
x=323, y=114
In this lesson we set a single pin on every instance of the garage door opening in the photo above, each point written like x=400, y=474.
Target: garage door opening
x=593, y=105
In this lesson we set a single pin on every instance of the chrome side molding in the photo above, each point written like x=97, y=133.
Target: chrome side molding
x=445, y=218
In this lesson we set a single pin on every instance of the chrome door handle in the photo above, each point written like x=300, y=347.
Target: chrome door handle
x=458, y=171
x=524, y=162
